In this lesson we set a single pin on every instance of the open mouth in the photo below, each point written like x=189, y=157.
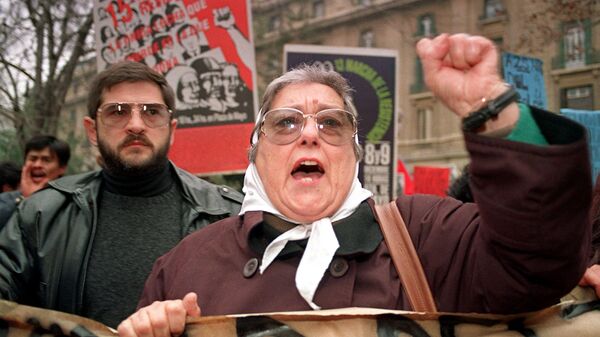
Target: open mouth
x=308, y=170
x=37, y=175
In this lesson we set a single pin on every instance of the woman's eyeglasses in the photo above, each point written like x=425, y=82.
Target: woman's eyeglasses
x=284, y=125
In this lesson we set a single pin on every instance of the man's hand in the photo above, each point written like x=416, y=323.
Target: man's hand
x=591, y=278
x=28, y=184
x=160, y=319
x=461, y=70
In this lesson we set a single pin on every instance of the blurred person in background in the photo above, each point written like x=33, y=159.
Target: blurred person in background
x=46, y=158
x=10, y=176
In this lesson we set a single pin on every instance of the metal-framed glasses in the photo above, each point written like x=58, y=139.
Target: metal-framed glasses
x=117, y=115
x=284, y=125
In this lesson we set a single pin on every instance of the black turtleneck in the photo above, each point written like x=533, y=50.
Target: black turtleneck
x=139, y=219
x=147, y=185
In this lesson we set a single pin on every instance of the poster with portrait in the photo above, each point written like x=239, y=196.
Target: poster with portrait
x=205, y=50
x=372, y=74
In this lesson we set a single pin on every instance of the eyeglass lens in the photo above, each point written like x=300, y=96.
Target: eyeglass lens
x=118, y=114
x=283, y=126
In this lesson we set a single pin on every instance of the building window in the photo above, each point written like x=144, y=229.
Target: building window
x=318, y=9
x=574, y=45
x=424, y=123
x=426, y=25
x=418, y=85
x=499, y=42
x=577, y=98
x=493, y=8
x=274, y=23
x=367, y=39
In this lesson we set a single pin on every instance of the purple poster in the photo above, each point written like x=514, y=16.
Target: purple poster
x=372, y=73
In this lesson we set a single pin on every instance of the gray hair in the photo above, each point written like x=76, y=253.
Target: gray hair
x=304, y=74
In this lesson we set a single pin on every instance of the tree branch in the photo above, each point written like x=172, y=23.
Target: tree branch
x=66, y=74
x=22, y=70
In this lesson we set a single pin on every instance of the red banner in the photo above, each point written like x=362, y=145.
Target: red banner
x=404, y=178
x=431, y=180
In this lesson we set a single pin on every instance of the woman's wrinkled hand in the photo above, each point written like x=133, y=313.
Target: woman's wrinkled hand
x=160, y=319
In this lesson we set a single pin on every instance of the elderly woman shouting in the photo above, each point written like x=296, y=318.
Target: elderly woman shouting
x=307, y=236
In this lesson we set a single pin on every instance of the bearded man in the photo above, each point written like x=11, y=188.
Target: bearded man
x=85, y=244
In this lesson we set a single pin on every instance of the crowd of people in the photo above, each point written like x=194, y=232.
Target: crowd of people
x=142, y=234
x=45, y=158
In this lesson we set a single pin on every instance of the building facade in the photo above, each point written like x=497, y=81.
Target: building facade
x=568, y=43
x=73, y=112
x=428, y=133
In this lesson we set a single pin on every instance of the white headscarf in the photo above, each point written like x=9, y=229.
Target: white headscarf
x=322, y=242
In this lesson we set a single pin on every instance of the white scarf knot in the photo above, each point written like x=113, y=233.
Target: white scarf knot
x=322, y=242
x=319, y=252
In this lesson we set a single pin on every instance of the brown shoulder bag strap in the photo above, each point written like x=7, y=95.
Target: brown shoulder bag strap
x=405, y=258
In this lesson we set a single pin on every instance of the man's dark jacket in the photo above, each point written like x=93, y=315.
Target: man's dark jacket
x=8, y=204
x=45, y=247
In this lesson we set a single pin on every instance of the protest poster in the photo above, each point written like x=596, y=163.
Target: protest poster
x=372, y=73
x=431, y=180
x=205, y=50
x=591, y=120
x=526, y=74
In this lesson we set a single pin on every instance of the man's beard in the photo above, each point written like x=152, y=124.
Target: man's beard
x=118, y=166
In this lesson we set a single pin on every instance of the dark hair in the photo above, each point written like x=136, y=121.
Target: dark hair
x=158, y=46
x=10, y=173
x=104, y=49
x=102, y=13
x=127, y=71
x=183, y=28
x=169, y=12
x=460, y=189
x=58, y=147
x=120, y=38
x=140, y=32
x=153, y=20
x=179, y=90
x=205, y=65
x=106, y=33
x=171, y=7
x=161, y=41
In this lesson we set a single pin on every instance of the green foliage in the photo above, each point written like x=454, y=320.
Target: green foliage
x=9, y=146
x=82, y=158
